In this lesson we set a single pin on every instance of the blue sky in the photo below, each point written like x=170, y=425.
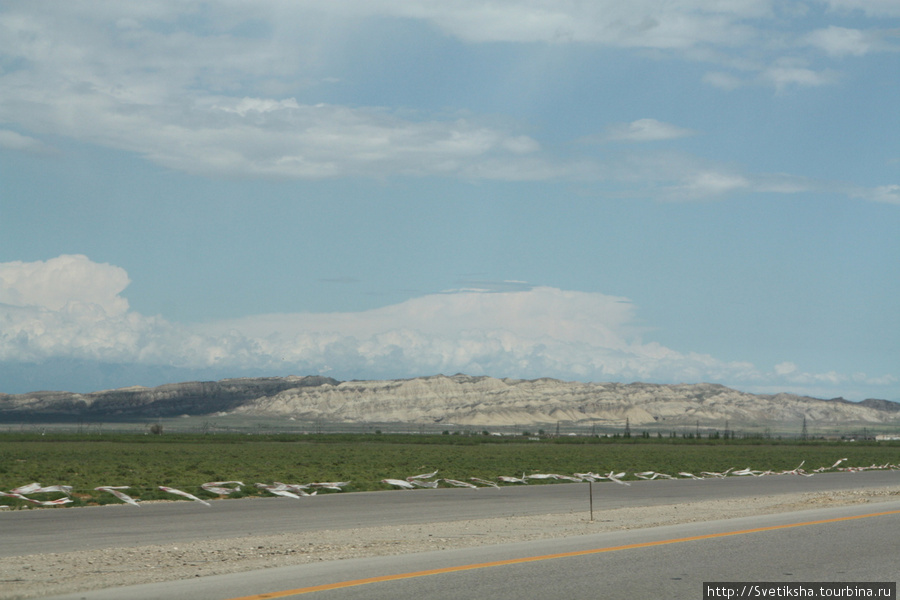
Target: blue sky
x=589, y=190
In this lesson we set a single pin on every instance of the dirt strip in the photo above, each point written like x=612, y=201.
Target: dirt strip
x=41, y=575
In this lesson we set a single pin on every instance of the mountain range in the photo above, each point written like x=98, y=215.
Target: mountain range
x=458, y=399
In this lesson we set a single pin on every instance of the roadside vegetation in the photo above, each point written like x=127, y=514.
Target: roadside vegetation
x=185, y=461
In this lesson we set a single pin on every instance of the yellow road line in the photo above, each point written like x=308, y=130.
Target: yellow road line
x=516, y=561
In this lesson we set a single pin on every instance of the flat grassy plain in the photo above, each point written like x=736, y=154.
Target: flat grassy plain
x=144, y=462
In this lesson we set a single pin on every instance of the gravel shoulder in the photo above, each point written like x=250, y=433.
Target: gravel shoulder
x=40, y=575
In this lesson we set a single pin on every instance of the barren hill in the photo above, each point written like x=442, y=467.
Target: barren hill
x=466, y=400
x=458, y=399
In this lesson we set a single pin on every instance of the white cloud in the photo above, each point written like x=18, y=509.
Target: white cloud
x=789, y=375
x=181, y=85
x=840, y=41
x=709, y=184
x=788, y=72
x=785, y=368
x=889, y=194
x=257, y=105
x=281, y=138
x=531, y=333
x=537, y=314
x=161, y=91
x=646, y=130
x=70, y=308
x=785, y=73
x=23, y=143
x=639, y=23
x=62, y=281
x=782, y=183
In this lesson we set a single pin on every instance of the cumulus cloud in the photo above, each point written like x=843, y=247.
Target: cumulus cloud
x=529, y=333
x=71, y=307
x=785, y=368
x=63, y=281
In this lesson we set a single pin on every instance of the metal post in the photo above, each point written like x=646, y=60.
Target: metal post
x=591, y=499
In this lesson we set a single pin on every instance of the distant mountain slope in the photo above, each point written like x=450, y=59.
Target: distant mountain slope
x=459, y=399
x=193, y=398
x=468, y=400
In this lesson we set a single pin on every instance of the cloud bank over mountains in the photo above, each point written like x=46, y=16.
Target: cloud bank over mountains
x=71, y=308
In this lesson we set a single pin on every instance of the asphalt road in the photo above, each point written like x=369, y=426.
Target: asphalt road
x=63, y=530
x=848, y=544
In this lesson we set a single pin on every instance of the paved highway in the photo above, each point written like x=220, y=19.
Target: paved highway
x=855, y=543
x=64, y=530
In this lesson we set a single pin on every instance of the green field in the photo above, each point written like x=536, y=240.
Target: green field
x=186, y=461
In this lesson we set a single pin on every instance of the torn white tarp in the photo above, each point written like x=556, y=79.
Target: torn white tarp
x=615, y=478
x=65, y=489
x=484, y=482
x=185, y=494
x=19, y=496
x=399, y=483
x=422, y=476
x=569, y=478
x=543, y=476
x=507, y=479
x=331, y=485
x=36, y=488
x=26, y=489
x=223, y=488
x=457, y=483
x=57, y=502
x=288, y=490
x=114, y=490
x=424, y=484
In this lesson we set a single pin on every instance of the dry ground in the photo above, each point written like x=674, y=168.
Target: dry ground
x=48, y=574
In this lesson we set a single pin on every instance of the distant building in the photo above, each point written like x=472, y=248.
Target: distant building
x=887, y=437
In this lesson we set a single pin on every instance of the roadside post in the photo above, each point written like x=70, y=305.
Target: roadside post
x=591, y=498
